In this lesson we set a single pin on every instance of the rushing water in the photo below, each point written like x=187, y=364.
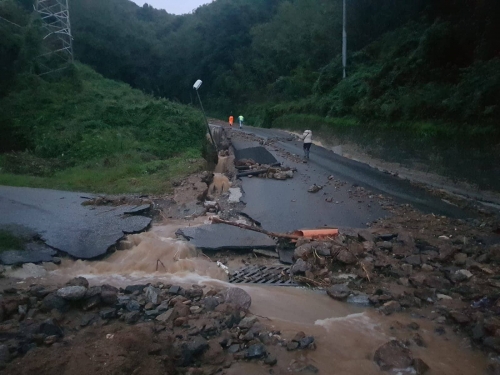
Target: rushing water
x=347, y=336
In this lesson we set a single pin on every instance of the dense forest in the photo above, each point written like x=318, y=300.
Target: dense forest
x=426, y=67
x=409, y=61
x=76, y=130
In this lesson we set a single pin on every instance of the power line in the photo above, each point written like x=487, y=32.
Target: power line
x=12, y=23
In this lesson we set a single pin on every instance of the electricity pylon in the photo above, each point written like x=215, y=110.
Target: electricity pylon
x=57, y=46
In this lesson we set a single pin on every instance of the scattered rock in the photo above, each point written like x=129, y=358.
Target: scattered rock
x=132, y=317
x=210, y=303
x=360, y=299
x=346, y=257
x=50, y=328
x=72, y=293
x=53, y=301
x=237, y=297
x=338, y=291
x=130, y=289
x=462, y=275
x=390, y=307
x=393, y=355
x=174, y=289
x=418, y=339
x=256, y=351
x=152, y=294
x=4, y=354
x=420, y=366
x=460, y=259
x=167, y=316
x=247, y=322
x=314, y=188
x=107, y=313
x=300, y=267
x=133, y=305
x=78, y=281
x=270, y=360
x=306, y=341
x=109, y=295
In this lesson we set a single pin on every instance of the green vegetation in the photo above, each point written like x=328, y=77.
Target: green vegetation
x=87, y=133
x=428, y=66
x=10, y=242
x=428, y=70
x=79, y=131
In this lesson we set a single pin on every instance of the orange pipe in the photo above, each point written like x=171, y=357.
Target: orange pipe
x=316, y=233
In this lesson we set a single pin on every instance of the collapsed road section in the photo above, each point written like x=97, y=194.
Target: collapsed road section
x=61, y=222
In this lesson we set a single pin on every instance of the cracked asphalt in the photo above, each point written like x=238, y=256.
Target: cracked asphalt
x=58, y=217
x=354, y=197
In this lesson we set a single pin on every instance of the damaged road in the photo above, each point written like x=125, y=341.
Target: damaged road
x=64, y=224
x=351, y=178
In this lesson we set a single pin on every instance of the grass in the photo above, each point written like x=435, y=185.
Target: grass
x=10, y=242
x=120, y=174
x=81, y=132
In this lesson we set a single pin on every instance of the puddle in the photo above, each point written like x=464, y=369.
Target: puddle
x=347, y=336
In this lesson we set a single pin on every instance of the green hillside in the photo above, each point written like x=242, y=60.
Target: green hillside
x=80, y=131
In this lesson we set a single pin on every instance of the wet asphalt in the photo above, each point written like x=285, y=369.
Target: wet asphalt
x=287, y=205
x=64, y=224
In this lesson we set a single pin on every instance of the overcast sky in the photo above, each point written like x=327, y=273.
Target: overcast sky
x=174, y=6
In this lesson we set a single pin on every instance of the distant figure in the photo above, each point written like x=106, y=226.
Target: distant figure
x=307, y=138
x=241, y=119
x=231, y=120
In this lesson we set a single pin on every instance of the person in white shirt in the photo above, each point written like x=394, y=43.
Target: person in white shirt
x=307, y=138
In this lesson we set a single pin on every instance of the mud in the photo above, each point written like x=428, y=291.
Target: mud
x=346, y=335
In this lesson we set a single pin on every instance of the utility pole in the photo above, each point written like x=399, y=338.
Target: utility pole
x=196, y=86
x=57, y=39
x=344, y=38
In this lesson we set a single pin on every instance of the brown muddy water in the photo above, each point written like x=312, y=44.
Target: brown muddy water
x=347, y=336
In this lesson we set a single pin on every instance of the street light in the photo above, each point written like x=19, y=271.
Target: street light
x=196, y=86
x=344, y=38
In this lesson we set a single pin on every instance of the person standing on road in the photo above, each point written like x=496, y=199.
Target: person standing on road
x=307, y=138
x=231, y=120
x=241, y=119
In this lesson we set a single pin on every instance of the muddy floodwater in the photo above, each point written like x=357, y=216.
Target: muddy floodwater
x=346, y=335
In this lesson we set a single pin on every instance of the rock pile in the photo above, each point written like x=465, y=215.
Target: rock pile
x=414, y=261
x=193, y=327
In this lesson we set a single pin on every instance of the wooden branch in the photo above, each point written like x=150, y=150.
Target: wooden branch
x=216, y=220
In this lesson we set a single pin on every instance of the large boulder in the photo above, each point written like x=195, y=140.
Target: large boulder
x=237, y=297
x=393, y=355
x=109, y=295
x=53, y=302
x=72, y=293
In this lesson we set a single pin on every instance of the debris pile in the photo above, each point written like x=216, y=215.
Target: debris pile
x=192, y=327
x=249, y=168
x=445, y=268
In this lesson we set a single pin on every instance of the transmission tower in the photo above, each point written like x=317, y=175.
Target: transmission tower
x=57, y=46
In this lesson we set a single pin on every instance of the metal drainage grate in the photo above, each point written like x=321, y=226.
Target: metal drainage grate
x=275, y=275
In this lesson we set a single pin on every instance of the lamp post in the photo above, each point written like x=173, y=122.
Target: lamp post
x=344, y=38
x=196, y=86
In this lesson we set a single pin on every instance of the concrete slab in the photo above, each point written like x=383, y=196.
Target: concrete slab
x=84, y=232
x=215, y=237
